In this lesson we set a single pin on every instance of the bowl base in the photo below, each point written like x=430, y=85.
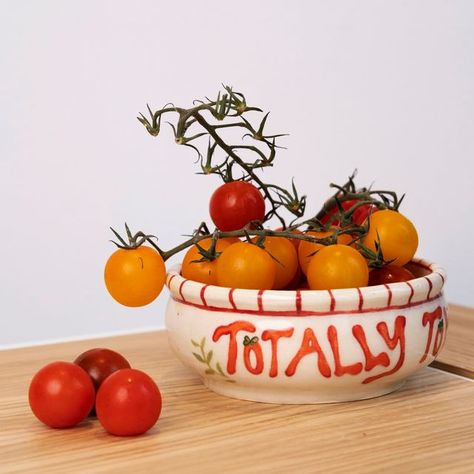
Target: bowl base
x=300, y=397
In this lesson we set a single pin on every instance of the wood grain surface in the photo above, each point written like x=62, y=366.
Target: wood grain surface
x=427, y=426
x=458, y=354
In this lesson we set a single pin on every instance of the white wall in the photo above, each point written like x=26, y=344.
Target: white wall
x=386, y=87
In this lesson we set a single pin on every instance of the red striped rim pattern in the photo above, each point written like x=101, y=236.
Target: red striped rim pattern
x=311, y=302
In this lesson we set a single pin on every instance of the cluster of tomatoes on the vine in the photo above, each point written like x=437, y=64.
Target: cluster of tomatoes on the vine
x=353, y=243
x=99, y=382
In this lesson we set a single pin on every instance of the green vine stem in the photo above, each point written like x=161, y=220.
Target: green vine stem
x=228, y=110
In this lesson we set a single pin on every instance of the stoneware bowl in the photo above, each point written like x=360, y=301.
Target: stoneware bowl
x=308, y=346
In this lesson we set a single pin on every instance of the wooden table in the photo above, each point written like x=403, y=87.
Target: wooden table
x=428, y=426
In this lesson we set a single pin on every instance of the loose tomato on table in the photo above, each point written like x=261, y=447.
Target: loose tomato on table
x=135, y=277
x=128, y=403
x=100, y=363
x=233, y=205
x=396, y=235
x=389, y=274
x=204, y=272
x=337, y=266
x=61, y=394
x=244, y=265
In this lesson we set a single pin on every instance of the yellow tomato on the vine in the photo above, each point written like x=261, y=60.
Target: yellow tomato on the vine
x=244, y=265
x=337, y=266
x=135, y=277
x=397, y=235
x=307, y=249
x=205, y=271
x=285, y=259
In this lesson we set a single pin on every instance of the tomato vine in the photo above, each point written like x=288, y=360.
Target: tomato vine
x=210, y=119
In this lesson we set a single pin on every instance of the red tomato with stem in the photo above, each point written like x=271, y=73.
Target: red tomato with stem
x=128, y=403
x=233, y=205
x=389, y=274
x=61, y=394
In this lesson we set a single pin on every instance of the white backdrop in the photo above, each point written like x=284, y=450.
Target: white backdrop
x=386, y=87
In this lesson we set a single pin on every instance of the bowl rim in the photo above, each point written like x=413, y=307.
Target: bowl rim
x=420, y=290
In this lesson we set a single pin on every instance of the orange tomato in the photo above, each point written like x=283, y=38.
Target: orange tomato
x=307, y=249
x=205, y=271
x=295, y=242
x=285, y=259
x=337, y=266
x=135, y=277
x=397, y=234
x=244, y=265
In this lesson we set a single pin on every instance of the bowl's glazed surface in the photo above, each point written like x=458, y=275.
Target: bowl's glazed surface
x=308, y=346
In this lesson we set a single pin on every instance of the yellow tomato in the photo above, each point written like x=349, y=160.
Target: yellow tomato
x=306, y=249
x=285, y=259
x=244, y=265
x=337, y=266
x=397, y=234
x=135, y=277
x=205, y=271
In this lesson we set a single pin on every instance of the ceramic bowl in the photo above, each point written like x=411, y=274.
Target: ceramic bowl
x=308, y=346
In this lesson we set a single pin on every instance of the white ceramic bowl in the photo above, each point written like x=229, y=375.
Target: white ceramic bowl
x=308, y=346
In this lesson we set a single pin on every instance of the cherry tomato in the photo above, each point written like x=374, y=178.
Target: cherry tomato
x=135, y=277
x=100, y=363
x=233, y=205
x=397, y=234
x=360, y=215
x=307, y=249
x=389, y=274
x=128, y=403
x=61, y=395
x=295, y=242
x=204, y=272
x=244, y=265
x=285, y=260
x=346, y=205
x=337, y=266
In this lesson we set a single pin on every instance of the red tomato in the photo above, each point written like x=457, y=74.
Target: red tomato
x=233, y=205
x=346, y=205
x=389, y=274
x=100, y=363
x=61, y=395
x=359, y=216
x=128, y=403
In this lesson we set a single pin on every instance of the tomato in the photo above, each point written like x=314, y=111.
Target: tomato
x=346, y=205
x=285, y=260
x=100, y=363
x=135, y=277
x=244, y=265
x=397, y=234
x=204, y=272
x=295, y=242
x=128, y=403
x=359, y=216
x=61, y=395
x=233, y=205
x=337, y=266
x=389, y=274
x=307, y=249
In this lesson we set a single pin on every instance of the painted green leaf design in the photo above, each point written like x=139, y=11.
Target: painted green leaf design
x=209, y=357
x=198, y=357
x=203, y=341
x=219, y=369
x=210, y=371
x=195, y=344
